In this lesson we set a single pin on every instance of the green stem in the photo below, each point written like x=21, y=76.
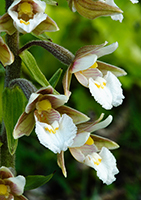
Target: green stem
x=11, y=72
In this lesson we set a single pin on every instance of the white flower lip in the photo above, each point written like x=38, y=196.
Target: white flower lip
x=57, y=136
x=105, y=165
x=31, y=24
x=108, y=94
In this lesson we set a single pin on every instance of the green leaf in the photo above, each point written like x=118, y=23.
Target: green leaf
x=36, y=181
x=55, y=78
x=13, y=102
x=32, y=66
x=2, y=70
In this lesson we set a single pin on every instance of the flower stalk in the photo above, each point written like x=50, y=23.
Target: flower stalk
x=12, y=72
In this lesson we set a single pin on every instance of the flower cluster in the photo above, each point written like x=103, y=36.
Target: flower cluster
x=59, y=127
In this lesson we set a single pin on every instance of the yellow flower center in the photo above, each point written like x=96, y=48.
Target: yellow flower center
x=89, y=141
x=51, y=130
x=25, y=12
x=4, y=190
x=96, y=159
x=95, y=65
x=43, y=105
x=100, y=82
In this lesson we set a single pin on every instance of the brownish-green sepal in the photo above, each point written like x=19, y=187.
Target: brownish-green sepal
x=32, y=66
x=104, y=142
x=13, y=102
x=93, y=9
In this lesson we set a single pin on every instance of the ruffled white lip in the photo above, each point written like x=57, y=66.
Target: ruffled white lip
x=58, y=136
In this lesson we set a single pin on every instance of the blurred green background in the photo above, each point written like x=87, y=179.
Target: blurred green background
x=82, y=182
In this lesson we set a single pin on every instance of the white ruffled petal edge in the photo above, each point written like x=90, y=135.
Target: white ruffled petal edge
x=106, y=169
x=61, y=138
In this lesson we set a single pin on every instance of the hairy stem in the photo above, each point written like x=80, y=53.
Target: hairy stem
x=62, y=54
x=12, y=71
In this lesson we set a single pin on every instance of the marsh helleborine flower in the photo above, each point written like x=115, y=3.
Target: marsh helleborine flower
x=27, y=16
x=99, y=77
x=92, y=9
x=92, y=150
x=11, y=187
x=55, y=123
x=6, y=56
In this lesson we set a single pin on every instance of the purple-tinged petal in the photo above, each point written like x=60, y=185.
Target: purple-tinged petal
x=56, y=100
x=6, y=56
x=86, y=126
x=104, y=67
x=61, y=163
x=34, y=97
x=77, y=116
x=5, y=173
x=103, y=142
x=45, y=90
x=16, y=184
x=47, y=116
x=83, y=76
x=83, y=63
x=66, y=82
x=80, y=153
x=24, y=125
x=106, y=50
x=80, y=139
x=48, y=25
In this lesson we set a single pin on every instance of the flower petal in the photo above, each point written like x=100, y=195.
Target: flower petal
x=103, y=142
x=32, y=102
x=48, y=25
x=61, y=163
x=80, y=153
x=6, y=56
x=83, y=63
x=80, y=139
x=62, y=137
x=24, y=125
x=77, y=116
x=104, y=67
x=16, y=184
x=102, y=95
x=5, y=172
x=83, y=76
x=66, y=82
x=114, y=86
x=6, y=24
x=106, y=168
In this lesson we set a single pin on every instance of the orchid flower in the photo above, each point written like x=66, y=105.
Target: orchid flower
x=92, y=150
x=6, y=56
x=99, y=77
x=11, y=187
x=27, y=16
x=52, y=118
x=93, y=9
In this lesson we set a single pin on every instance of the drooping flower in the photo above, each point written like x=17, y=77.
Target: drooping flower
x=52, y=119
x=11, y=187
x=92, y=150
x=27, y=16
x=93, y=9
x=99, y=77
x=6, y=56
